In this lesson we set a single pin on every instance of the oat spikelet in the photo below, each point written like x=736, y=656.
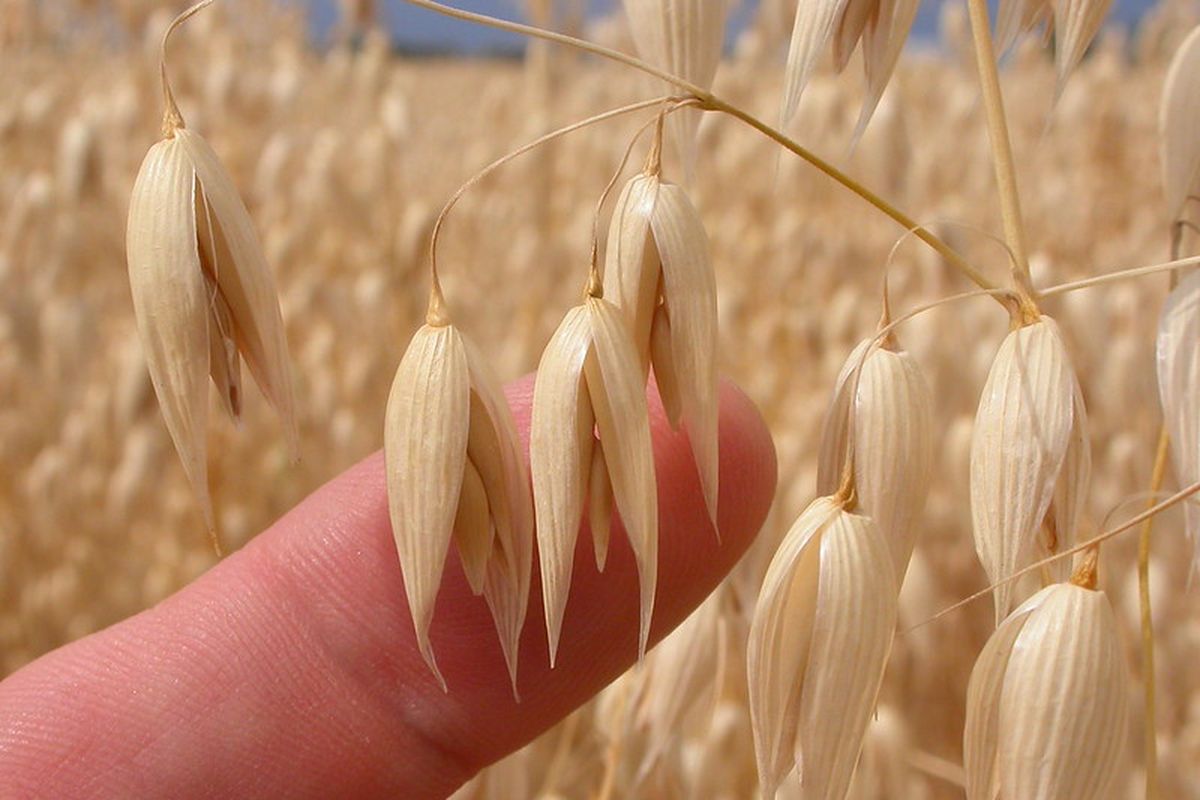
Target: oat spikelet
x=659, y=273
x=1022, y=431
x=1046, y=705
x=817, y=648
x=455, y=473
x=882, y=26
x=683, y=37
x=198, y=274
x=893, y=441
x=1178, y=347
x=170, y=302
x=1179, y=132
x=589, y=377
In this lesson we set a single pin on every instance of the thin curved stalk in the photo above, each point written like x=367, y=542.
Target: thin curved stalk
x=712, y=102
x=1095, y=541
x=1120, y=275
x=437, y=313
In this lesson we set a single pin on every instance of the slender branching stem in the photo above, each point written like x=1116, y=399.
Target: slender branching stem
x=1120, y=275
x=437, y=313
x=1002, y=157
x=711, y=102
x=1149, y=513
x=172, y=118
x=952, y=256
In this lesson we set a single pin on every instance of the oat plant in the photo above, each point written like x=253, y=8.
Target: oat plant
x=1045, y=709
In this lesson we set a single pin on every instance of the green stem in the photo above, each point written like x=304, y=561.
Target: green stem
x=712, y=102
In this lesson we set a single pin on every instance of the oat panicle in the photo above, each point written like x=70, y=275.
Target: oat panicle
x=893, y=442
x=1024, y=427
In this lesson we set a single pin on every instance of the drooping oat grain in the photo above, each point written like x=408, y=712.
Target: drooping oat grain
x=882, y=26
x=1046, y=705
x=893, y=443
x=1022, y=431
x=455, y=473
x=1073, y=24
x=1178, y=350
x=1076, y=23
x=203, y=295
x=170, y=302
x=817, y=648
x=659, y=274
x=589, y=377
x=1179, y=132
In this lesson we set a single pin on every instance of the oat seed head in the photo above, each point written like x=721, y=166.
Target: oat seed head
x=455, y=473
x=589, y=379
x=818, y=644
x=659, y=273
x=893, y=443
x=1022, y=431
x=1046, y=704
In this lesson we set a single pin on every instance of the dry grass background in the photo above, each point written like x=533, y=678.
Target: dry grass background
x=345, y=157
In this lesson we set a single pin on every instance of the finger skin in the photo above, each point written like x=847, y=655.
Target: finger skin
x=290, y=669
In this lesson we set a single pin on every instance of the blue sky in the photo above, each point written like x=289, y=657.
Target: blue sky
x=415, y=26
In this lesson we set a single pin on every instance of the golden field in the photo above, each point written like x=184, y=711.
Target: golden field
x=344, y=158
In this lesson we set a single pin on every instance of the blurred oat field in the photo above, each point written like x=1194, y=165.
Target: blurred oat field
x=344, y=158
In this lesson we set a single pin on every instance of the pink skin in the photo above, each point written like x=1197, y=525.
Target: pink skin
x=290, y=668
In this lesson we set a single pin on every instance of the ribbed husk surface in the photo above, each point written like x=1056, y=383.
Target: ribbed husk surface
x=1047, y=704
